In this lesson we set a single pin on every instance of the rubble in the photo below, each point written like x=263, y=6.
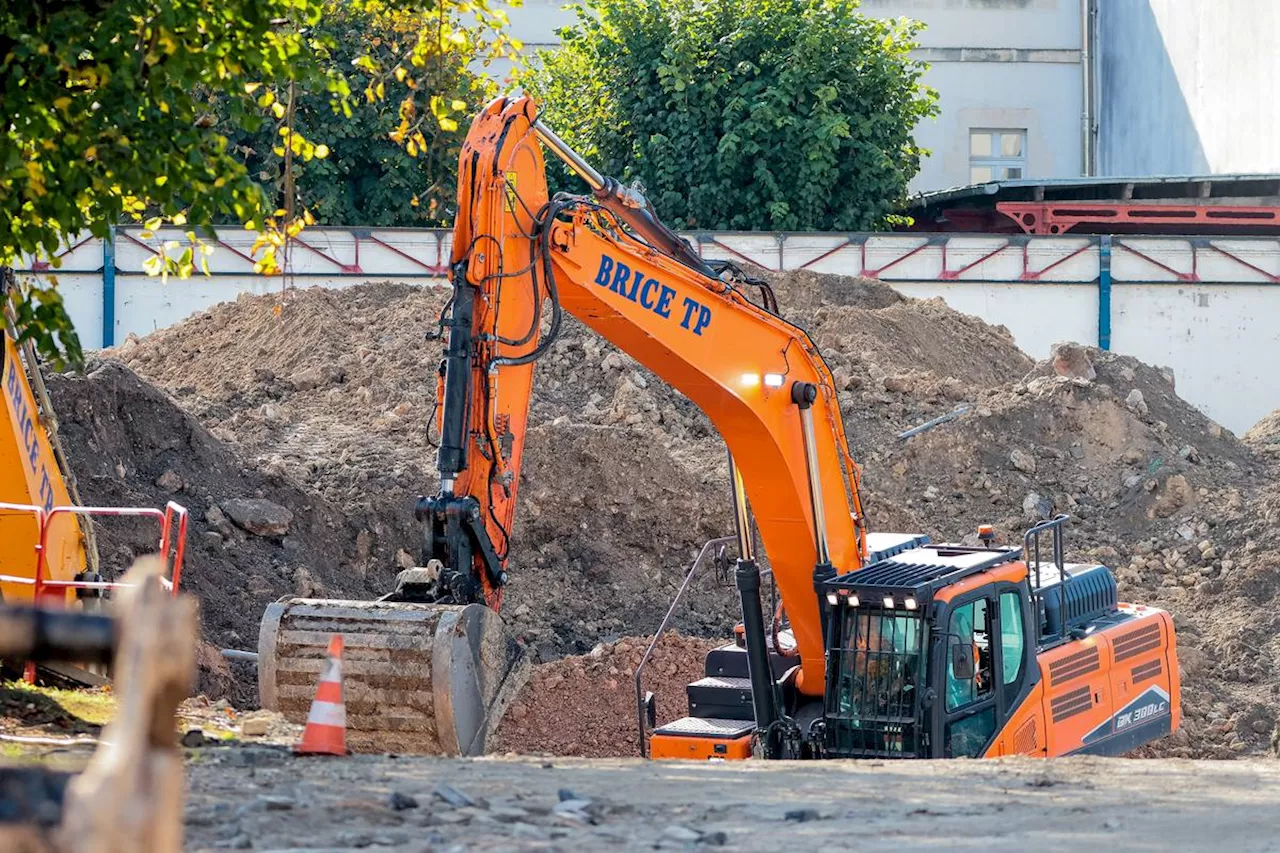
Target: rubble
x=258, y=516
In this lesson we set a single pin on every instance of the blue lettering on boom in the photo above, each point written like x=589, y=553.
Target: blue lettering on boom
x=651, y=294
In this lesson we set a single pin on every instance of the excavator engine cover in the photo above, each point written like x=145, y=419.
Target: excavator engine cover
x=417, y=678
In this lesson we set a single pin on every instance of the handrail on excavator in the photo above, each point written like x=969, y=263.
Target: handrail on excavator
x=641, y=715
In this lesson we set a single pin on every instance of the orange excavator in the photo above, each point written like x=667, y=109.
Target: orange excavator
x=896, y=647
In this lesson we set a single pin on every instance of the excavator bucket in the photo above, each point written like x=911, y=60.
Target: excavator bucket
x=417, y=678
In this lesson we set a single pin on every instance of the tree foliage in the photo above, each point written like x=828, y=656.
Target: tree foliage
x=783, y=115
x=377, y=172
x=108, y=106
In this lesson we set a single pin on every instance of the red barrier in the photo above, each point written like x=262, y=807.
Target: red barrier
x=171, y=540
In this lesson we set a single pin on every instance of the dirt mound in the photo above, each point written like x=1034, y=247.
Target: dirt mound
x=586, y=705
x=334, y=389
x=1264, y=436
x=131, y=445
x=331, y=390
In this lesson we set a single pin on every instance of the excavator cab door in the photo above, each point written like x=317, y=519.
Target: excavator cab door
x=981, y=665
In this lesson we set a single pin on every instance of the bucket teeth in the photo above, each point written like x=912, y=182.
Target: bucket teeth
x=418, y=678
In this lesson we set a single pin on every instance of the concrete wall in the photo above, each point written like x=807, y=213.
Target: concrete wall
x=1204, y=307
x=1188, y=87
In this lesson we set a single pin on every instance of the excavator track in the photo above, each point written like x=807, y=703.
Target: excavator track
x=417, y=678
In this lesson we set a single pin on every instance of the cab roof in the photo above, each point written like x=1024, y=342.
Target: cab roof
x=920, y=572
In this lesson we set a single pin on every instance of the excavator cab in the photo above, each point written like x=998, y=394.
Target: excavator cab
x=928, y=653
x=952, y=651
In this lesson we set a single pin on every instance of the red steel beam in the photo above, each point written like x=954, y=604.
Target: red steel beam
x=1060, y=217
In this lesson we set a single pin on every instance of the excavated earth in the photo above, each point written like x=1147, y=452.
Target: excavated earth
x=316, y=402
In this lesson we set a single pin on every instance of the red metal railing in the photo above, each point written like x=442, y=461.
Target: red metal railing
x=173, y=540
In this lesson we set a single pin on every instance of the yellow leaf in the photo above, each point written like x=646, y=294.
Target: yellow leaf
x=400, y=73
x=448, y=124
x=250, y=88
x=458, y=105
x=179, y=219
x=413, y=202
x=412, y=148
x=153, y=223
x=161, y=180
x=268, y=97
x=62, y=103
x=380, y=90
x=277, y=109
x=322, y=151
x=164, y=107
x=91, y=153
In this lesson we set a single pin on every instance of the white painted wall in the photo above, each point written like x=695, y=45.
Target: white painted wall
x=1032, y=96
x=1208, y=334
x=1207, y=311
x=1033, y=24
x=1188, y=87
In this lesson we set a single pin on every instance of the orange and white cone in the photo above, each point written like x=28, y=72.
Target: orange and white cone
x=326, y=731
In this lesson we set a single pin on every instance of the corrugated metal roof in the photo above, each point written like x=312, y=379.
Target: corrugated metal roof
x=1112, y=188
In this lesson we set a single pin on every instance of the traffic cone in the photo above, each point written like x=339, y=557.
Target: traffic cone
x=326, y=731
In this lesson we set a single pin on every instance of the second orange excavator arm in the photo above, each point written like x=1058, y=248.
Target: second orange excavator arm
x=607, y=261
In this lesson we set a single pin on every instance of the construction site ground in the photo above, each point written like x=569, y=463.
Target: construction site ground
x=417, y=803
x=246, y=789
x=295, y=426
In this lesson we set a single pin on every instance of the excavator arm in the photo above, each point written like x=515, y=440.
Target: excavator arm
x=521, y=258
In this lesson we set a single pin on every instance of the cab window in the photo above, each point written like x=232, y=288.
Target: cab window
x=969, y=635
x=1012, y=637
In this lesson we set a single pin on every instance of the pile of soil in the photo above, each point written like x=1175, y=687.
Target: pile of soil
x=328, y=393
x=585, y=705
x=1264, y=436
x=333, y=389
x=130, y=444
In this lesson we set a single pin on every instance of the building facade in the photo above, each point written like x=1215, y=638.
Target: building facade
x=1010, y=76
x=1044, y=89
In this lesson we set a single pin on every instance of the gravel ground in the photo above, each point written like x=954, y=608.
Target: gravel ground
x=263, y=799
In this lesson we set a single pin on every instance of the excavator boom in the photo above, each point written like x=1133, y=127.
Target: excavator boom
x=609, y=262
